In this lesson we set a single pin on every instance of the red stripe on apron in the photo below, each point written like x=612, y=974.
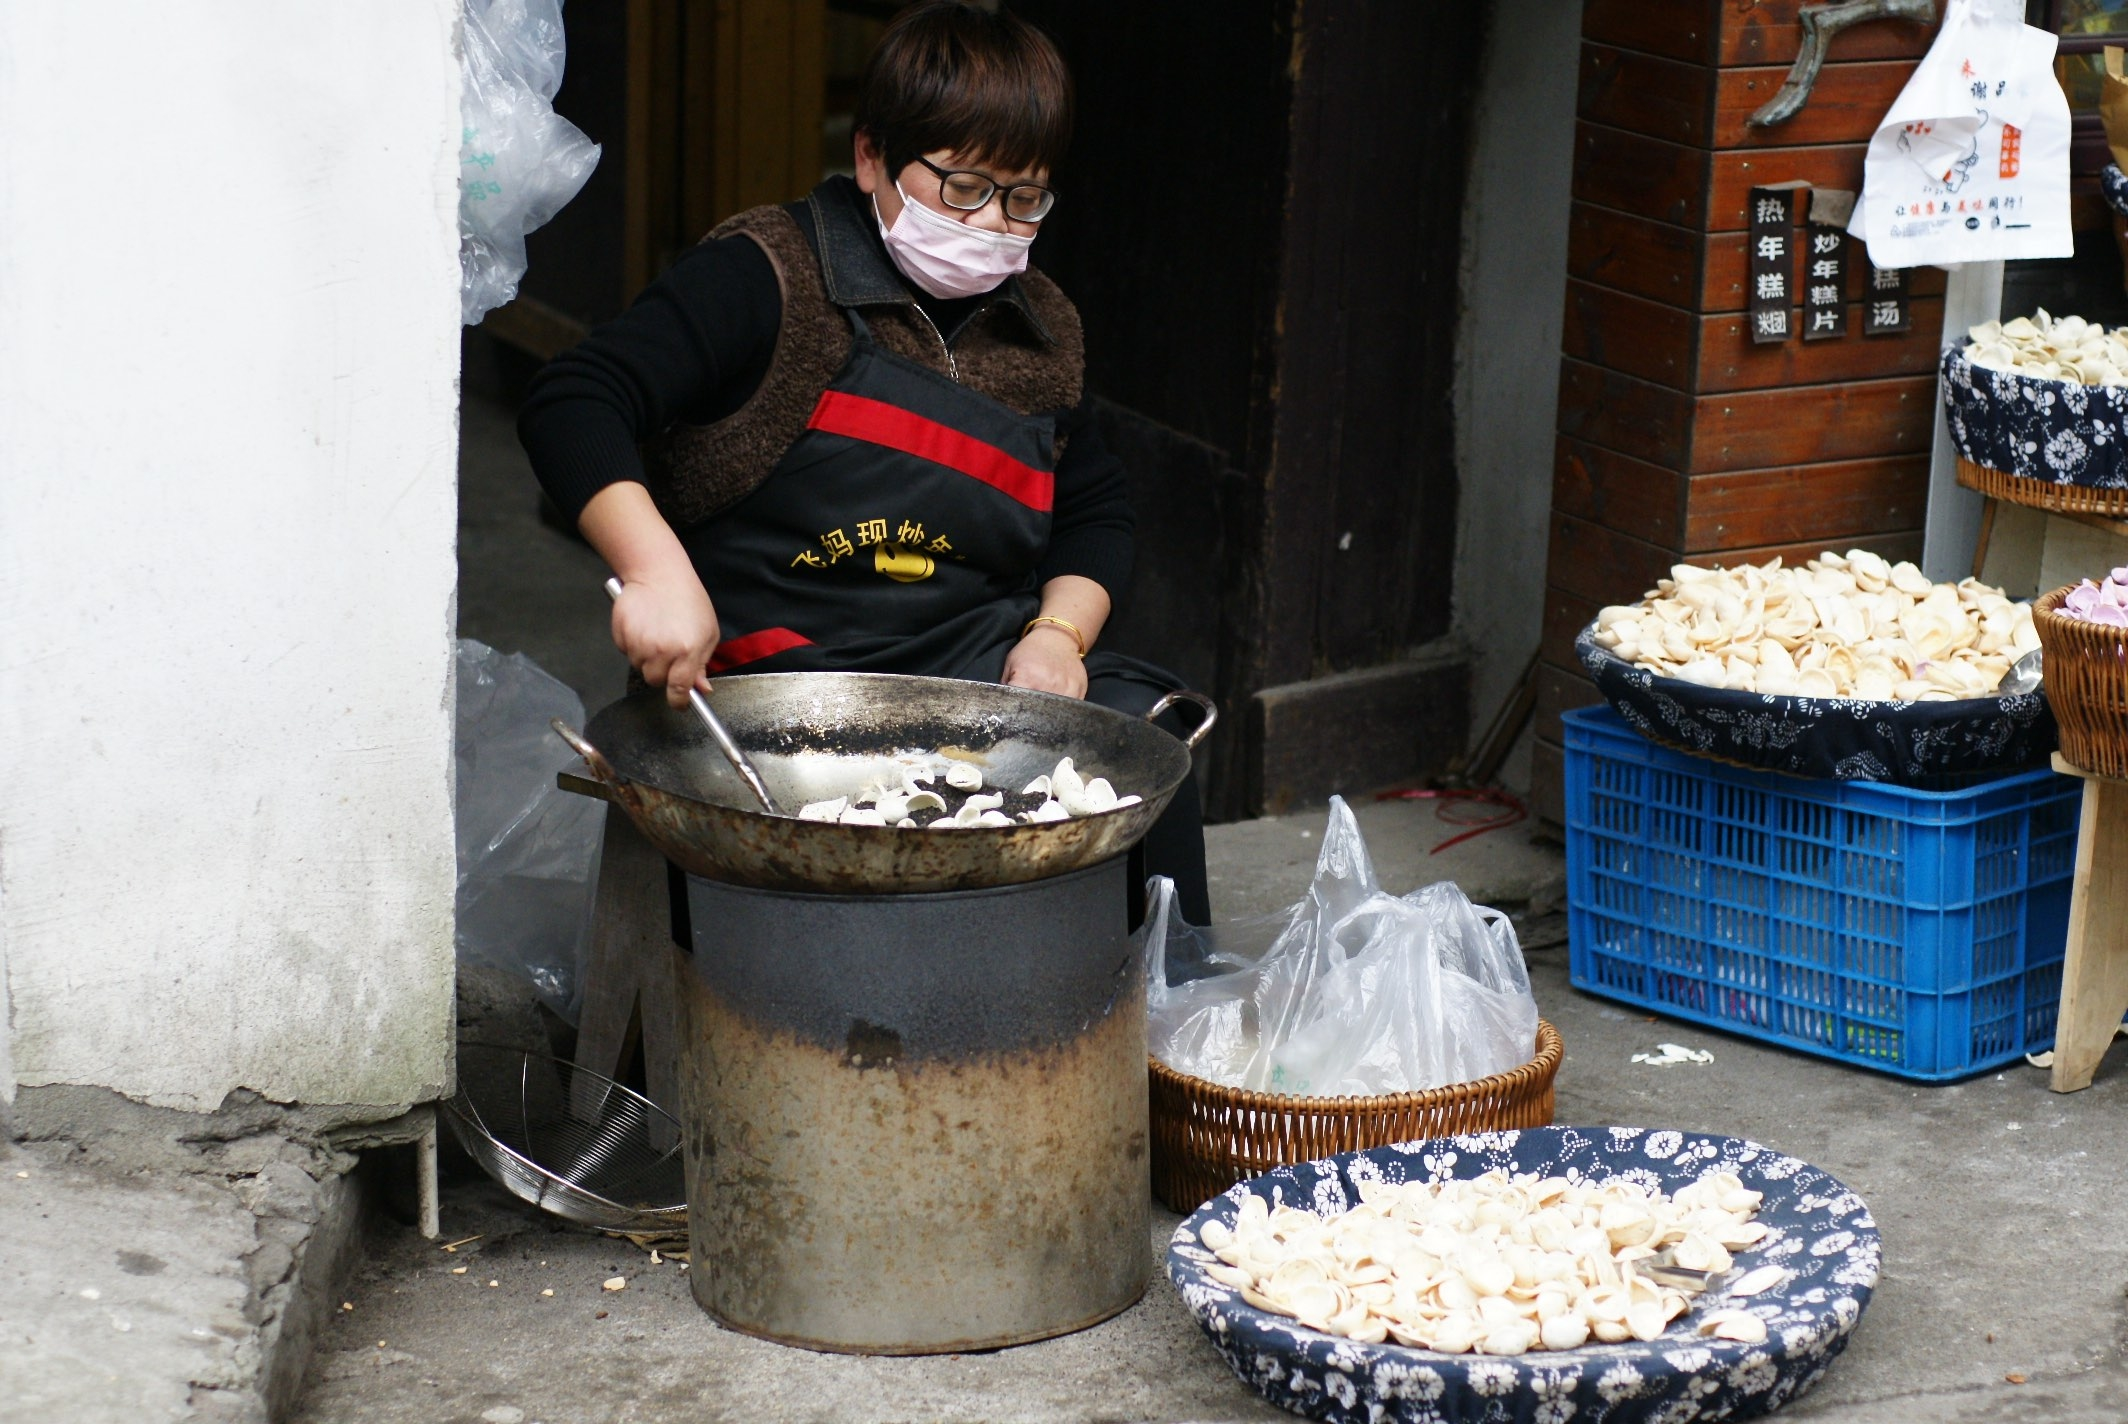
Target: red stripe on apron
x=736, y=652
x=878, y=423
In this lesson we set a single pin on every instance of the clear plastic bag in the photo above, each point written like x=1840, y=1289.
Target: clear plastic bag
x=1351, y=992
x=528, y=851
x=520, y=162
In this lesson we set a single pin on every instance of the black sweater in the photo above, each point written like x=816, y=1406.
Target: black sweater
x=695, y=345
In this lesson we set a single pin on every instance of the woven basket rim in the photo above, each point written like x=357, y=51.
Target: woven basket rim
x=1551, y=1048
x=2073, y=634
x=2105, y=501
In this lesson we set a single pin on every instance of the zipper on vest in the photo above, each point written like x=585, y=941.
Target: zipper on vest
x=953, y=368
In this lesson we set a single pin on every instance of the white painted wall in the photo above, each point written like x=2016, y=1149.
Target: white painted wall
x=1507, y=380
x=228, y=396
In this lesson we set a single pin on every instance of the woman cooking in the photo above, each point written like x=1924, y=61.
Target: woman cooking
x=849, y=433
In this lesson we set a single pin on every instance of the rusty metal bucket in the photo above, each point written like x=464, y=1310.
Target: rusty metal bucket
x=915, y=1123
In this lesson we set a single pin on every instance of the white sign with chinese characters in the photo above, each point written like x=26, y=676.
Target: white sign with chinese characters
x=1972, y=162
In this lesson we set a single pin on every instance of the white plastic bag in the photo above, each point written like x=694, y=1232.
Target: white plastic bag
x=1358, y=992
x=527, y=851
x=520, y=162
x=1971, y=164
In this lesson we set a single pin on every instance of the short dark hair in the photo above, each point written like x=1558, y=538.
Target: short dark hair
x=987, y=84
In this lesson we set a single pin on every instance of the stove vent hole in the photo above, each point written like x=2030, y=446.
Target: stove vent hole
x=870, y=1046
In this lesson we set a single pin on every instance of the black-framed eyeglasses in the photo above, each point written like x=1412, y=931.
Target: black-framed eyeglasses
x=970, y=192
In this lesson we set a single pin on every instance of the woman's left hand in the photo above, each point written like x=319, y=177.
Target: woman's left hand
x=1047, y=660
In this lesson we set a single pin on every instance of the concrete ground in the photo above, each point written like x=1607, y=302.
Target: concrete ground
x=1998, y=1202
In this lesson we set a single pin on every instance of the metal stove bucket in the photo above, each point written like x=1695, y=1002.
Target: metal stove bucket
x=915, y=1123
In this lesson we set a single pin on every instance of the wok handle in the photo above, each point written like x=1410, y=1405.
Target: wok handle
x=593, y=757
x=1202, y=703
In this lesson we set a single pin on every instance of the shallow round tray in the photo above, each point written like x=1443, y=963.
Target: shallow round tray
x=1819, y=1230
x=1918, y=744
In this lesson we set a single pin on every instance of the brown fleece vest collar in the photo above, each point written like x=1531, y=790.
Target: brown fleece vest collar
x=1023, y=349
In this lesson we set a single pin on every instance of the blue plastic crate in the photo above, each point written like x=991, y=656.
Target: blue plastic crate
x=1916, y=932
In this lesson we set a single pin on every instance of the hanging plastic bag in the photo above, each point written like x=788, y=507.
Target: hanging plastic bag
x=527, y=851
x=1971, y=164
x=1357, y=992
x=520, y=162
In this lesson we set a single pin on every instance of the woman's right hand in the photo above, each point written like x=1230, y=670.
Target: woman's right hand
x=667, y=628
x=662, y=618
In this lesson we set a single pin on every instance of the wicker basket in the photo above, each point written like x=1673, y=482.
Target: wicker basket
x=1206, y=1137
x=2043, y=494
x=2087, y=684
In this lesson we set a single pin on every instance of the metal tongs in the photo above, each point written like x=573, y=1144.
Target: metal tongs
x=723, y=738
x=1662, y=1268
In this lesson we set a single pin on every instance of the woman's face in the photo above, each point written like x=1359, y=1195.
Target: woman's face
x=922, y=185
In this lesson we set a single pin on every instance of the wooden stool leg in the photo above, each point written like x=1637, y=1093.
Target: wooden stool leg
x=2095, y=971
x=661, y=1034
x=631, y=939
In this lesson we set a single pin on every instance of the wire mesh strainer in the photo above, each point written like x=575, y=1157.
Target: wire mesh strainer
x=568, y=1140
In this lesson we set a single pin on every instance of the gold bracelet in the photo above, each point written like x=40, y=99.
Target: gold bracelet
x=1066, y=624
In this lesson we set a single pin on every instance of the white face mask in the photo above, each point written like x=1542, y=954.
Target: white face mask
x=947, y=257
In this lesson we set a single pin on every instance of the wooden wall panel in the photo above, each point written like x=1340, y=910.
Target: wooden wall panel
x=1738, y=32
x=1605, y=487
x=1831, y=503
x=1744, y=430
x=1846, y=104
x=1704, y=108
x=1732, y=176
x=1643, y=94
x=1728, y=267
x=1806, y=425
x=1679, y=267
x=1895, y=545
x=1639, y=175
x=1636, y=418
x=1565, y=615
x=1602, y=566
x=1548, y=785
x=1765, y=32
x=1671, y=347
x=1730, y=361
x=1640, y=256
x=1630, y=334
x=1691, y=187
x=1684, y=30
x=1562, y=690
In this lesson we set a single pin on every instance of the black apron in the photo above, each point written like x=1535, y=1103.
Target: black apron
x=902, y=533
x=899, y=533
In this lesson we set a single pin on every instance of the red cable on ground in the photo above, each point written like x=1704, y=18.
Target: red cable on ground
x=1509, y=810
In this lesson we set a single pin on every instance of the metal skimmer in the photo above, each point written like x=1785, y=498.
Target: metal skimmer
x=570, y=1141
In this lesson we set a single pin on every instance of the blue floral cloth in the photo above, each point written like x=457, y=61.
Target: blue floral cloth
x=1819, y=1230
x=2114, y=184
x=2063, y=432
x=1919, y=744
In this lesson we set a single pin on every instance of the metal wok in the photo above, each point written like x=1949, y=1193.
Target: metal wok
x=818, y=735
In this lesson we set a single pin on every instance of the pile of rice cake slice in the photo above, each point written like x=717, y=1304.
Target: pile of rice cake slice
x=1495, y=1264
